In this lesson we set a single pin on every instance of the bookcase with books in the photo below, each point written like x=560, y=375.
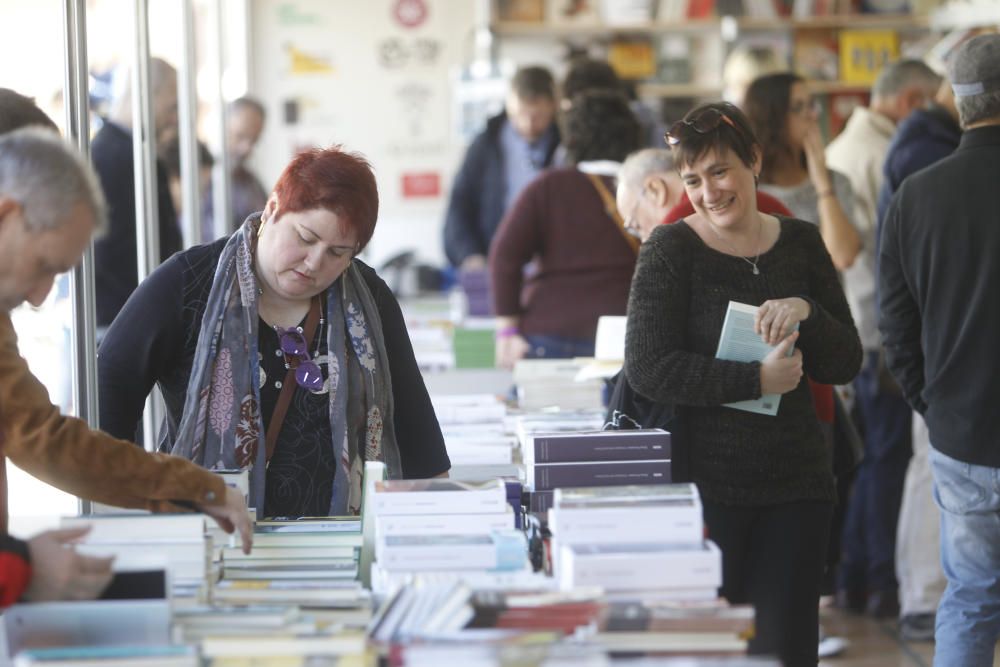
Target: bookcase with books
x=673, y=51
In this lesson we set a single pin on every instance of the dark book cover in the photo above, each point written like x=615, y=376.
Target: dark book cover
x=538, y=501
x=615, y=473
x=635, y=445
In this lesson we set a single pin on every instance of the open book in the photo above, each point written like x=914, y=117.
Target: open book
x=739, y=342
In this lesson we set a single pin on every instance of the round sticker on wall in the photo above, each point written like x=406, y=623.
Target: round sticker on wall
x=410, y=13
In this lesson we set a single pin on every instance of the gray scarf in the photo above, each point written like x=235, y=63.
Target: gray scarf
x=221, y=427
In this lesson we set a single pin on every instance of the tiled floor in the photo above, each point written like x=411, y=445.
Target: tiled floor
x=875, y=643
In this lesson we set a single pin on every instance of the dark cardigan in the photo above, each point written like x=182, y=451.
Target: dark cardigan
x=676, y=307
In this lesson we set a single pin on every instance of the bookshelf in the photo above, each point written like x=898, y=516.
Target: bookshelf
x=690, y=53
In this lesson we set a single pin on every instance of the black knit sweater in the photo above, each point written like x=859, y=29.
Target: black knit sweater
x=676, y=307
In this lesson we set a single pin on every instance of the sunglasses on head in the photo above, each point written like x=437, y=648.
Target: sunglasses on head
x=703, y=123
x=307, y=372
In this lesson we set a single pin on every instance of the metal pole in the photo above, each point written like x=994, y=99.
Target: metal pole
x=221, y=175
x=84, y=331
x=187, y=110
x=144, y=149
x=147, y=224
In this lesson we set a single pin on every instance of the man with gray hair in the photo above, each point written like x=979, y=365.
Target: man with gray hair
x=648, y=188
x=867, y=576
x=50, y=205
x=938, y=283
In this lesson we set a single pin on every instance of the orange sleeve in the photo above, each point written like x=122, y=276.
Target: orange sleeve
x=66, y=453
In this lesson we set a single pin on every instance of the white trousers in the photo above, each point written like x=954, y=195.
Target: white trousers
x=918, y=534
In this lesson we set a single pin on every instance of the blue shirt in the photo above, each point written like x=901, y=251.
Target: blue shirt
x=522, y=160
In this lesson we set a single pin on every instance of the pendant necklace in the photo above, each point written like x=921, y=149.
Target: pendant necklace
x=751, y=262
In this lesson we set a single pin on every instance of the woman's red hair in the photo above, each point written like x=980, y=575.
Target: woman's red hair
x=335, y=180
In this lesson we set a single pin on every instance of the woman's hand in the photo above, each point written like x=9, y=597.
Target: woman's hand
x=777, y=318
x=509, y=349
x=813, y=146
x=779, y=372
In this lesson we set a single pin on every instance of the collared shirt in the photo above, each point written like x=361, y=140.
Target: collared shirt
x=859, y=153
x=522, y=160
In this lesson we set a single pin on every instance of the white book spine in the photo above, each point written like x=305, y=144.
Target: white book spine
x=440, y=502
x=670, y=525
x=642, y=571
x=441, y=524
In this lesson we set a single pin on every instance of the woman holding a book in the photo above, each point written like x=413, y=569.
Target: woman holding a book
x=765, y=479
x=277, y=351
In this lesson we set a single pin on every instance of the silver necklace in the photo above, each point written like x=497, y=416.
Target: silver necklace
x=751, y=262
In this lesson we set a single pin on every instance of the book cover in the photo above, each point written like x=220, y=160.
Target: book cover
x=739, y=342
x=439, y=496
x=640, y=567
x=647, y=493
x=442, y=524
x=506, y=550
x=543, y=476
x=679, y=522
x=864, y=53
x=635, y=445
x=815, y=54
x=632, y=58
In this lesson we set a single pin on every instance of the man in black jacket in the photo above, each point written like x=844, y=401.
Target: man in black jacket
x=938, y=284
x=515, y=146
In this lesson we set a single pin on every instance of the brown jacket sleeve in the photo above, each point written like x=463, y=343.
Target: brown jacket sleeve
x=66, y=453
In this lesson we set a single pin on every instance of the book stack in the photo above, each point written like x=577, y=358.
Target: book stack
x=593, y=458
x=690, y=627
x=446, y=529
x=634, y=541
x=139, y=542
x=293, y=561
x=472, y=425
x=551, y=383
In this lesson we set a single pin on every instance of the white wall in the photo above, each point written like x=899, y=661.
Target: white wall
x=361, y=78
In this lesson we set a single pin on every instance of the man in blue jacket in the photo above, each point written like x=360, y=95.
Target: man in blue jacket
x=515, y=146
x=938, y=284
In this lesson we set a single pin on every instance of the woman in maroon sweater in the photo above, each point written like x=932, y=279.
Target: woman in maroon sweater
x=582, y=258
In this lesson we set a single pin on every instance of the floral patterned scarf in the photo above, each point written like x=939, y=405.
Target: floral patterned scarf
x=221, y=427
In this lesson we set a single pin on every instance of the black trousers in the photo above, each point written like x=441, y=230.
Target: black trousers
x=773, y=558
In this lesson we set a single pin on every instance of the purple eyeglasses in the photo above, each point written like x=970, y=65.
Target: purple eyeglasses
x=307, y=372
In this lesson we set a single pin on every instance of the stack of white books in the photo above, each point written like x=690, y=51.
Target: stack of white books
x=634, y=541
x=472, y=425
x=175, y=543
x=451, y=529
x=552, y=383
x=305, y=548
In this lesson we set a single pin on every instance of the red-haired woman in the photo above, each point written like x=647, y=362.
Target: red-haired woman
x=278, y=351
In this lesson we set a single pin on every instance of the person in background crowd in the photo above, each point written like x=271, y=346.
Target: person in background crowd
x=744, y=64
x=589, y=74
x=50, y=204
x=566, y=222
x=867, y=580
x=784, y=118
x=766, y=482
x=170, y=153
x=514, y=148
x=279, y=352
x=648, y=188
x=938, y=283
x=116, y=270
x=925, y=137
x=245, y=118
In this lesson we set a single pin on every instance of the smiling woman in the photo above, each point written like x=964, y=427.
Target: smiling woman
x=279, y=352
x=765, y=481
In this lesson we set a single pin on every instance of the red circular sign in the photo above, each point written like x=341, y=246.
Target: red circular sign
x=410, y=13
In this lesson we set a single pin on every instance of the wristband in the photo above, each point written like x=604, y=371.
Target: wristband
x=507, y=332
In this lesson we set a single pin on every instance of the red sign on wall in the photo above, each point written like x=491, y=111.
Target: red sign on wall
x=422, y=184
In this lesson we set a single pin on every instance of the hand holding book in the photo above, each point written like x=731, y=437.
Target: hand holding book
x=781, y=369
x=777, y=318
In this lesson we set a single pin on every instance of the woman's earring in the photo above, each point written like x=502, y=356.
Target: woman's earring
x=756, y=180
